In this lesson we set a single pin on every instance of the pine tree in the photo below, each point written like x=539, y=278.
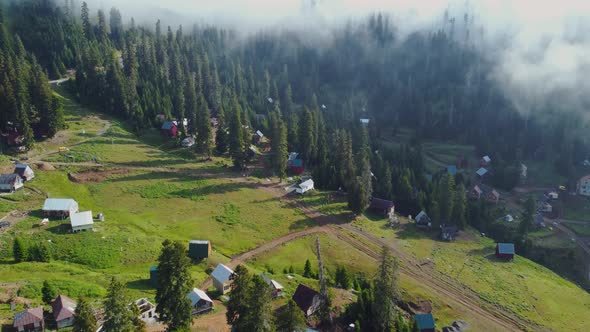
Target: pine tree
x=279, y=143
x=307, y=269
x=118, y=314
x=528, y=215
x=290, y=318
x=237, y=306
x=258, y=317
x=460, y=207
x=174, y=282
x=86, y=26
x=84, y=319
x=19, y=250
x=102, y=27
x=384, y=308
x=203, y=126
x=307, y=127
x=341, y=279
x=191, y=106
x=236, y=136
x=446, y=192
x=116, y=23
x=221, y=136
x=49, y=292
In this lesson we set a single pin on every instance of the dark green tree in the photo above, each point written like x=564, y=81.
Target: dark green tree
x=237, y=306
x=221, y=136
x=119, y=317
x=258, y=316
x=204, y=141
x=49, y=292
x=84, y=319
x=289, y=318
x=19, y=250
x=384, y=307
x=307, y=269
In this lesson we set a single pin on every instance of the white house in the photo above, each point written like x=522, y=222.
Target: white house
x=24, y=171
x=81, y=221
x=553, y=195
x=188, y=142
x=304, y=186
x=10, y=182
x=200, y=301
x=365, y=121
x=275, y=287
x=221, y=278
x=259, y=134
x=59, y=207
x=584, y=186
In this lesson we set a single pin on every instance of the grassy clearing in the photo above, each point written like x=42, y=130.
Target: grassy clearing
x=577, y=208
x=326, y=202
x=582, y=230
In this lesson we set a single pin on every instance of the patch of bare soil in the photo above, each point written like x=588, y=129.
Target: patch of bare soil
x=95, y=175
x=43, y=166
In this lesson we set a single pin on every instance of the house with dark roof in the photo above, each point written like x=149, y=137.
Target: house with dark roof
x=64, y=310
x=425, y=322
x=448, y=232
x=222, y=278
x=505, y=250
x=200, y=301
x=423, y=220
x=10, y=182
x=307, y=299
x=170, y=128
x=199, y=249
x=30, y=320
x=383, y=207
x=24, y=171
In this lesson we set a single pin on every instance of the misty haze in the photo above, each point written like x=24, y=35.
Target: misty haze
x=297, y=165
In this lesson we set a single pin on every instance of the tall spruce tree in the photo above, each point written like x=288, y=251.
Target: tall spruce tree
x=258, y=316
x=289, y=318
x=221, y=135
x=204, y=142
x=236, y=136
x=237, y=306
x=119, y=317
x=387, y=296
x=84, y=318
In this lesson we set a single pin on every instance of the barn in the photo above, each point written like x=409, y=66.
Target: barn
x=200, y=301
x=199, y=249
x=505, y=250
x=170, y=128
x=64, y=310
x=382, y=206
x=10, y=182
x=81, y=221
x=24, y=171
x=307, y=299
x=59, y=207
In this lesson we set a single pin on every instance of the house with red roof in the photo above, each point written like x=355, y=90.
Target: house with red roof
x=30, y=320
x=64, y=310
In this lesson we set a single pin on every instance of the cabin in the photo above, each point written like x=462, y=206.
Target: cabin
x=481, y=173
x=147, y=310
x=222, y=278
x=200, y=301
x=154, y=275
x=30, y=320
x=304, y=187
x=81, y=221
x=452, y=170
x=188, y=142
x=24, y=171
x=583, y=186
x=10, y=182
x=59, y=207
x=448, y=232
x=170, y=128
x=423, y=220
x=383, y=207
x=493, y=196
x=365, y=121
x=485, y=161
x=257, y=137
x=545, y=207
x=275, y=288
x=295, y=164
x=508, y=218
x=64, y=310
x=425, y=322
x=505, y=250
x=199, y=249
x=307, y=299
x=476, y=192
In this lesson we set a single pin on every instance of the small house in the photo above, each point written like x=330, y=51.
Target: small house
x=545, y=207
x=64, y=310
x=275, y=288
x=304, y=186
x=154, y=275
x=59, y=207
x=482, y=172
x=485, y=161
x=425, y=322
x=505, y=250
x=147, y=310
x=170, y=128
x=383, y=207
x=452, y=170
x=307, y=299
x=448, y=232
x=188, y=142
x=81, y=221
x=296, y=166
x=508, y=218
x=10, y=182
x=24, y=171
x=199, y=249
x=222, y=278
x=30, y=320
x=493, y=196
x=583, y=186
x=200, y=301
x=476, y=192
x=423, y=220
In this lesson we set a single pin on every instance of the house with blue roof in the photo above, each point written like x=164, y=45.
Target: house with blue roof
x=452, y=169
x=425, y=322
x=505, y=251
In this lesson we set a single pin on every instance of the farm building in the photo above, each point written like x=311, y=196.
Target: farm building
x=304, y=187
x=448, y=232
x=59, y=207
x=200, y=301
x=383, y=207
x=64, y=309
x=188, y=142
x=154, y=274
x=275, y=287
x=505, y=250
x=10, y=182
x=423, y=220
x=25, y=172
x=81, y=221
x=199, y=249
x=221, y=278
x=476, y=192
x=29, y=320
x=482, y=172
x=425, y=322
x=583, y=186
x=147, y=310
x=485, y=161
x=307, y=299
x=170, y=128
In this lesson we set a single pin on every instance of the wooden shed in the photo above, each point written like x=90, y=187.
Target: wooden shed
x=25, y=172
x=199, y=249
x=222, y=278
x=425, y=322
x=10, y=182
x=505, y=251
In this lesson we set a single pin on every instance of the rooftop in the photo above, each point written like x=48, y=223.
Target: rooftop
x=197, y=295
x=506, y=248
x=222, y=273
x=424, y=321
x=81, y=218
x=59, y=204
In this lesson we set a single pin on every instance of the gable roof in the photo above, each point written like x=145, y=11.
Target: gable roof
x=487, y=159
x=9, y=178
x=168, y=125
x=424, y=321
x=506, y=248
x=381, y=204
x=29, y=316
x=222, y=273
x=63, y=307
x=197, y=295
x=259, y=133
x=477, y=189
x=306, y=184
x=421, y=216
x=271, y=282
x=59, y=204
x=296, y=162
x=81, y=218
x=495, y=194
x=293, y=155
x=482, y=171
x=304, y=297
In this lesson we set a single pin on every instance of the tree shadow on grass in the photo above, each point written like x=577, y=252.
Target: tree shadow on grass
x=302, y=224
x=411, y=232
x=140, y=284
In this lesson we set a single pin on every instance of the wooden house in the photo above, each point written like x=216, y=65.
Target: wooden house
x=275, y=288
x=147, y=310
x=199, y=249
x=307, y=299
x=425, y=322
x=30, y=320
x=24, y=171
x=222, y=278
x=493, y=196
x=383, y=207
x=200, y=301
x=170, y=128
x=475, y=192
x=482, y=172
x=10, y=182
x=485, y=161
x=64, y=310
x=448, y=232
x=81, y=221
x=59, y=207
x=423, y=220
x=505, y=250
